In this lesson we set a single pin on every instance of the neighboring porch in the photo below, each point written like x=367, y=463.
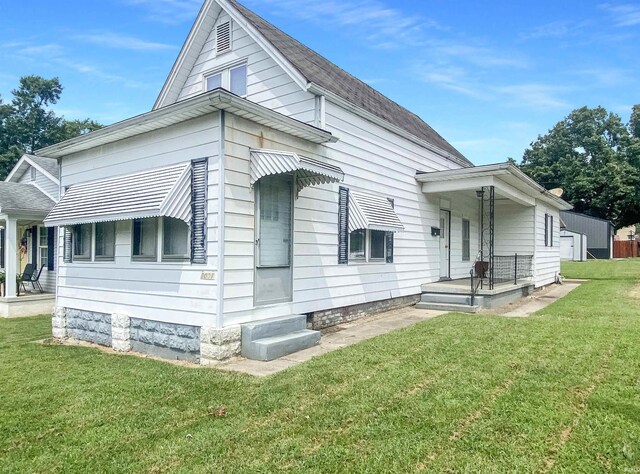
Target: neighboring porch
x=27, y=251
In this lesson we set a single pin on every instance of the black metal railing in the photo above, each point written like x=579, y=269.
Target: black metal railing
x=505, y=268
x=512, y=268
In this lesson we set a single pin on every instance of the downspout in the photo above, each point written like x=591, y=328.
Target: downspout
x=56, y=263
x=221, y=224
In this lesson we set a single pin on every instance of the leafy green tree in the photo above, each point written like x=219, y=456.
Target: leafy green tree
x=27, y=123
x=590, y=154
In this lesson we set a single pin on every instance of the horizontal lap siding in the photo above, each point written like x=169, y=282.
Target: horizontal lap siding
x=43, y=183
x=267, y=83
x=547, y=259
x=170, y=292
x=373, y=161
x=514, y=229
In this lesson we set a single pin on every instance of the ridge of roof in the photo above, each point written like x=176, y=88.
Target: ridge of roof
x=322, y=72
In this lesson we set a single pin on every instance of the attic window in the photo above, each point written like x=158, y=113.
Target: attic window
x=33, y=174
x=223, y=37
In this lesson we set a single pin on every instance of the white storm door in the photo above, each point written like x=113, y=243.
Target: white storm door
x=445, y=244
x=274, y=226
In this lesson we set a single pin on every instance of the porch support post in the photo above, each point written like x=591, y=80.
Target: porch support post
x=10, y=257
x=492, y=209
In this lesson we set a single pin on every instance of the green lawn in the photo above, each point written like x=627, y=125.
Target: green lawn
x=559, y=391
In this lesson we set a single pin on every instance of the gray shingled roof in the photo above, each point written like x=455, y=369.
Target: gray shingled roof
x=48, y=164
x=324, y=73
x=23, y=197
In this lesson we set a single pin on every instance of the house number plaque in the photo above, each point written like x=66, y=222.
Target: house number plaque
x=208, y=276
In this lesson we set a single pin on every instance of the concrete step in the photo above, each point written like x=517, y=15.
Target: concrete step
x=273, y=347
x=447, y=298
x=459, y=308
x=273, y=327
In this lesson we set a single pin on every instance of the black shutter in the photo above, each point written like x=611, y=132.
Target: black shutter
x=51, y=248
x=343, y=225
x=199, y=172
x=2, y=235
x=67, y=245
x=34, y=246
x=389, y=237
x=551, y=231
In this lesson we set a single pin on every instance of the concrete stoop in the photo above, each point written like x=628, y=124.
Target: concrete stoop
x=459, y=303
x=274, y=338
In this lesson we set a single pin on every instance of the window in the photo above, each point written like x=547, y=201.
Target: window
x=238, y=80
x=105, y=240
x=368, y=245
x=175, y=239
x=144, y=245
x=466, y=240
x=233, y=79
x=34, y=173
x=548, y=230
x=357, y=244
x=43, y=247
x=377, y=239
x=82, y=242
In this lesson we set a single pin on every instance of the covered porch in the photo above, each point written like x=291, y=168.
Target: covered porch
x=489, y=234
x=27, y=250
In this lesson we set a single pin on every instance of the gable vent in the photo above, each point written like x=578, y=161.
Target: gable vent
x=223, y=37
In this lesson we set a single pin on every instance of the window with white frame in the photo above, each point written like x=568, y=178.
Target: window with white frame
x=144, y=239
x=105, y=237
x=34, y=174
x=233, y=79
x=82, y=242
x=368, y=245
x=175, y=239
x=43, y=247
x=466, y=240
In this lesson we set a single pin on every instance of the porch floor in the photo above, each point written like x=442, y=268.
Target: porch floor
x=462, y=286
x=30, y=304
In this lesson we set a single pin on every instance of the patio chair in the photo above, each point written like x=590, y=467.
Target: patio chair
x=35, y=281
x=27, y=275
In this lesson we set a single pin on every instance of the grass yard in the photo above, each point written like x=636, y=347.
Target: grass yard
x=556, y=392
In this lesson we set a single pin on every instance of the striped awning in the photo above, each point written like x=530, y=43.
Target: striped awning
x=309, y=172
x=368, y=211
x=160, y=192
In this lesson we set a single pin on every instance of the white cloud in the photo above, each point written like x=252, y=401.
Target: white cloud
x=556, y=29
x=121, y=41
x=623, y=14
x=532, y=95
x=169, y=11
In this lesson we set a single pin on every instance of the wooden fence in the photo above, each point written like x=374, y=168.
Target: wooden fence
x=626, y=248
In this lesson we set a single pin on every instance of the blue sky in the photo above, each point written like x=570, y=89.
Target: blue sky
x=488, y=76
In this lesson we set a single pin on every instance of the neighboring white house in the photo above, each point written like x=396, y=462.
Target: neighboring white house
x=26, y=196
x=267, y=182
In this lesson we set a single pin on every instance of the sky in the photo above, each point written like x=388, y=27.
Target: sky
x=490, y=76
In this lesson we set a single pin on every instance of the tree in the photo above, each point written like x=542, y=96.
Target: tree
x=592, y=155
x=27, y=123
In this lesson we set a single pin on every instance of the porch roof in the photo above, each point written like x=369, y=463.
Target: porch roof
x=508, y=180
x=23, y=198
x=309, y=172
x=159, y=192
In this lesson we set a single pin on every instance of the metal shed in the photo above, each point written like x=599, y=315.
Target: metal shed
x=599, y=233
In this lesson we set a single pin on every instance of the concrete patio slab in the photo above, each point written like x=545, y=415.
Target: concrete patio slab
x=335, y=338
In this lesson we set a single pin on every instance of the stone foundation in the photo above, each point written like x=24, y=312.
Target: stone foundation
x=219, y=344
x=166, y=340
x=330, y=317
x=120, y=332
x=88, y=326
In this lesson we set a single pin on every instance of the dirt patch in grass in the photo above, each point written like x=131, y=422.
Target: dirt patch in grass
x=635, y=292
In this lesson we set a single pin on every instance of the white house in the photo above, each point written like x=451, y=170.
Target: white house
x=269, y=183
x=26, y=197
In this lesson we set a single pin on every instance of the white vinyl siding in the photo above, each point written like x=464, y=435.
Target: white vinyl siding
x=463, y=206
x=514, y=229
x=171, y=291
x=547, y=257
x=41, y=182
x=267, y=83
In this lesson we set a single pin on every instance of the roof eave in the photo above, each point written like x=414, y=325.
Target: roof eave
x=218, y=99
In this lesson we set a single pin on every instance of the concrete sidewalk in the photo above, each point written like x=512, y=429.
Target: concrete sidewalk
x=536, y=303
x=334, y=338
